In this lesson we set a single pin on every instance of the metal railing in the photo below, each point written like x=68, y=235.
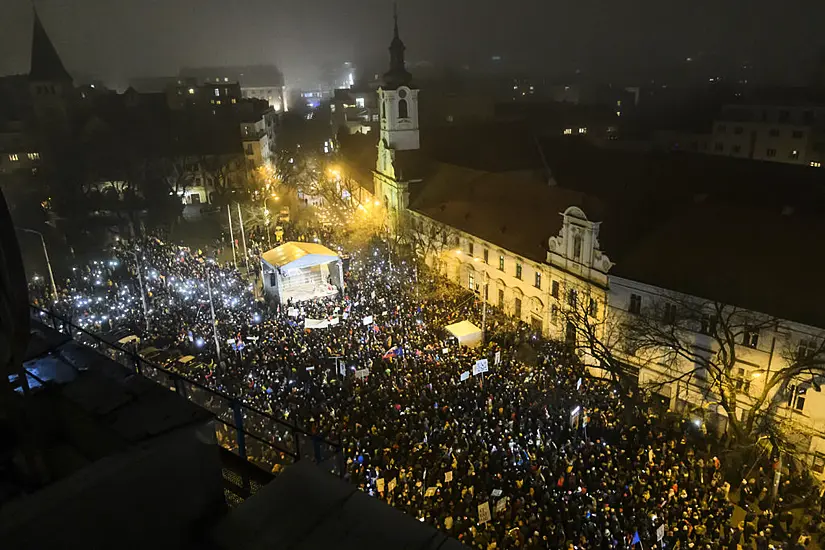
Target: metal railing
x=252, y=434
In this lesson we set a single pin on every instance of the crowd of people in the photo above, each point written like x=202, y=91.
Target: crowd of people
x=531, y=454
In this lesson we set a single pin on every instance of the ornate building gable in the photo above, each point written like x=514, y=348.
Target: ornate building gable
x=576, y=248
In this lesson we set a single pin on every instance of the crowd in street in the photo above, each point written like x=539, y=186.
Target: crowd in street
x=531, y=454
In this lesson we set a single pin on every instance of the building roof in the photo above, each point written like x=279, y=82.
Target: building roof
x=296, y=254
x=45, y=63
x=515, y=210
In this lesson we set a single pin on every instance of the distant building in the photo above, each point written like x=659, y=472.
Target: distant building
x=788, y=134
x=263, y=82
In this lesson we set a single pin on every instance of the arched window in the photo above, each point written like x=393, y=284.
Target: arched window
x=577, y=247
x=402, y=109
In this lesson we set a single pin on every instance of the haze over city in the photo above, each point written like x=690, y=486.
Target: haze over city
x=614, y=40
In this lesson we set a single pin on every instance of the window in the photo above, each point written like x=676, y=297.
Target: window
x=797, y=134
x=501, y=262
x=737, y=148
x=807, y=348
x=501, y=297
x=799, y=402
x=721, y=129
x=737, y=130
x=816, y=164
x=577, y=247
x=774, y=132
x=669, y=316
x=402, y=109
x=517, y=308
x=707, y=325
x=217, y=92
x=750, y=337
x=568, y=131
x=360, y=102
x=718, y=146
x=554, y=313
x=784, y=115
x=34, y=156
x=486, y=255
x=818, y=465
x=537, y=282
x=554, y=289
x=771, y=152
x=593, y=308
x=635, y=304
x=13, y=157
x=234, y=100
x=382, y=110
x=582, y=130
x=793, y=154
x=572, y=297
x=518, y=270
x=570, y=334
x=471, y=282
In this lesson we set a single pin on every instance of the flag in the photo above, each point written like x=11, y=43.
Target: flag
x=636, y=539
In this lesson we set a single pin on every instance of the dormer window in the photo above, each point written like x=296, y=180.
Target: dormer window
x=577, y=248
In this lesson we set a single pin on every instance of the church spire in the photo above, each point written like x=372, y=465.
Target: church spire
x=45, y=63
x=397, y=75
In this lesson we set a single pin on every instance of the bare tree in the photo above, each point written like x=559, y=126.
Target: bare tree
x=703, y=345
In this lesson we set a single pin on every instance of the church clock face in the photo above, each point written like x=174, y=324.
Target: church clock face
x=402, y=93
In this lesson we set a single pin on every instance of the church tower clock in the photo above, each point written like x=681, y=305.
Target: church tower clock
x=399, y=133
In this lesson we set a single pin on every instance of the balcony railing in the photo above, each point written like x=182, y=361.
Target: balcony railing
x=252, y=434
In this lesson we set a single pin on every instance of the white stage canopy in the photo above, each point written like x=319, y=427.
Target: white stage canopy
x=296, y=255
x=466, y=333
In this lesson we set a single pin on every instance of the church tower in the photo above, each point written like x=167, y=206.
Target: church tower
x=399, y=133
x=50, y=85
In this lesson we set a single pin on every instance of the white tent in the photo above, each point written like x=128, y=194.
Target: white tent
x=466, y=333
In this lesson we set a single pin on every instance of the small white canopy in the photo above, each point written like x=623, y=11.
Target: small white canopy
x=466, y=333
x=295, y=255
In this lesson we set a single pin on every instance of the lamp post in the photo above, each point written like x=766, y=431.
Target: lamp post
x=46, y=255
x=231, y=235
x=214, y=322
x=243, y=238
x=142, y=292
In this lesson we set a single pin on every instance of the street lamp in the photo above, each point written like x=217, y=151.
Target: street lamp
x=45, y=254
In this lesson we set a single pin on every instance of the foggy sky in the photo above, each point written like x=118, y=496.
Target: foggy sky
x=117, y=39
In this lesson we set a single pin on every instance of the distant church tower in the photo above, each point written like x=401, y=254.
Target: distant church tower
x=50, y=85
x=399, y=135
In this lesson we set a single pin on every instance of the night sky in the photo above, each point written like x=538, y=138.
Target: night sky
x=116, y=39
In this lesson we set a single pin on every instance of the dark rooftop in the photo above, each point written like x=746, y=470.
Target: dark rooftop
x=45, y=62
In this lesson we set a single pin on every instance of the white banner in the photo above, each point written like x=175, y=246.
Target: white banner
x=465, y=375
x=362, y=374
x=367, y=320
x=316, y=323
x=479, y=367
x=292, y=312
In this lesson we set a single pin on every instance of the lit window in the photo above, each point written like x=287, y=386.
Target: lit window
x=582, y=130
x=501, y=263
x=568, y=131
x=218, y=102
x=471, y=281
x=537, y=283
x=360, y=102
x=618, y=113
x=217, y=92
x=34, y=156
x=234, y=100
x=816, y=164
x=191, y=91
x=13, y=157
